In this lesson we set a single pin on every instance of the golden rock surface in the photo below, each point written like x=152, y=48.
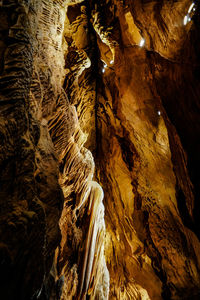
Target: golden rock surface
x=99, y=149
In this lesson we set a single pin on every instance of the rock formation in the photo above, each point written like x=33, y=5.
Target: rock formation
x=99, y=149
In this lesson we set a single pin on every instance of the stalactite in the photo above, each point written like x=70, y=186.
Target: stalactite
x=103, y=32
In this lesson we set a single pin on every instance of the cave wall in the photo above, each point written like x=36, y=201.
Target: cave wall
x=31, y=197
x=47, y=173
x=143, y=101
x=99, y=108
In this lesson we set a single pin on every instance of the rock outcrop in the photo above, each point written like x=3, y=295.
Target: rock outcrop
x=99, y=149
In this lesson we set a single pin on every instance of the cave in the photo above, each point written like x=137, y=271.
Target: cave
x=99, y=150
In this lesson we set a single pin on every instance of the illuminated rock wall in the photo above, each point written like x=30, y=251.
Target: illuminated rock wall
x=99, y=149
x=45, y=168
x=143, y=59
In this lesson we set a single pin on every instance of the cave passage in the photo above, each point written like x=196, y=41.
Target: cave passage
x=99, y=150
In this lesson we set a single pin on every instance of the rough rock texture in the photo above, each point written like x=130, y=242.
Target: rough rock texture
x=44, y=165
x=31, y=198
x=99, y=91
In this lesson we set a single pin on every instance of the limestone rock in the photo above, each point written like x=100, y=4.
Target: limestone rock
x=99, y=149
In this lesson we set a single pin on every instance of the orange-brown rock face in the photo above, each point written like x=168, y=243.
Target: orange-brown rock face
x=99, y=144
